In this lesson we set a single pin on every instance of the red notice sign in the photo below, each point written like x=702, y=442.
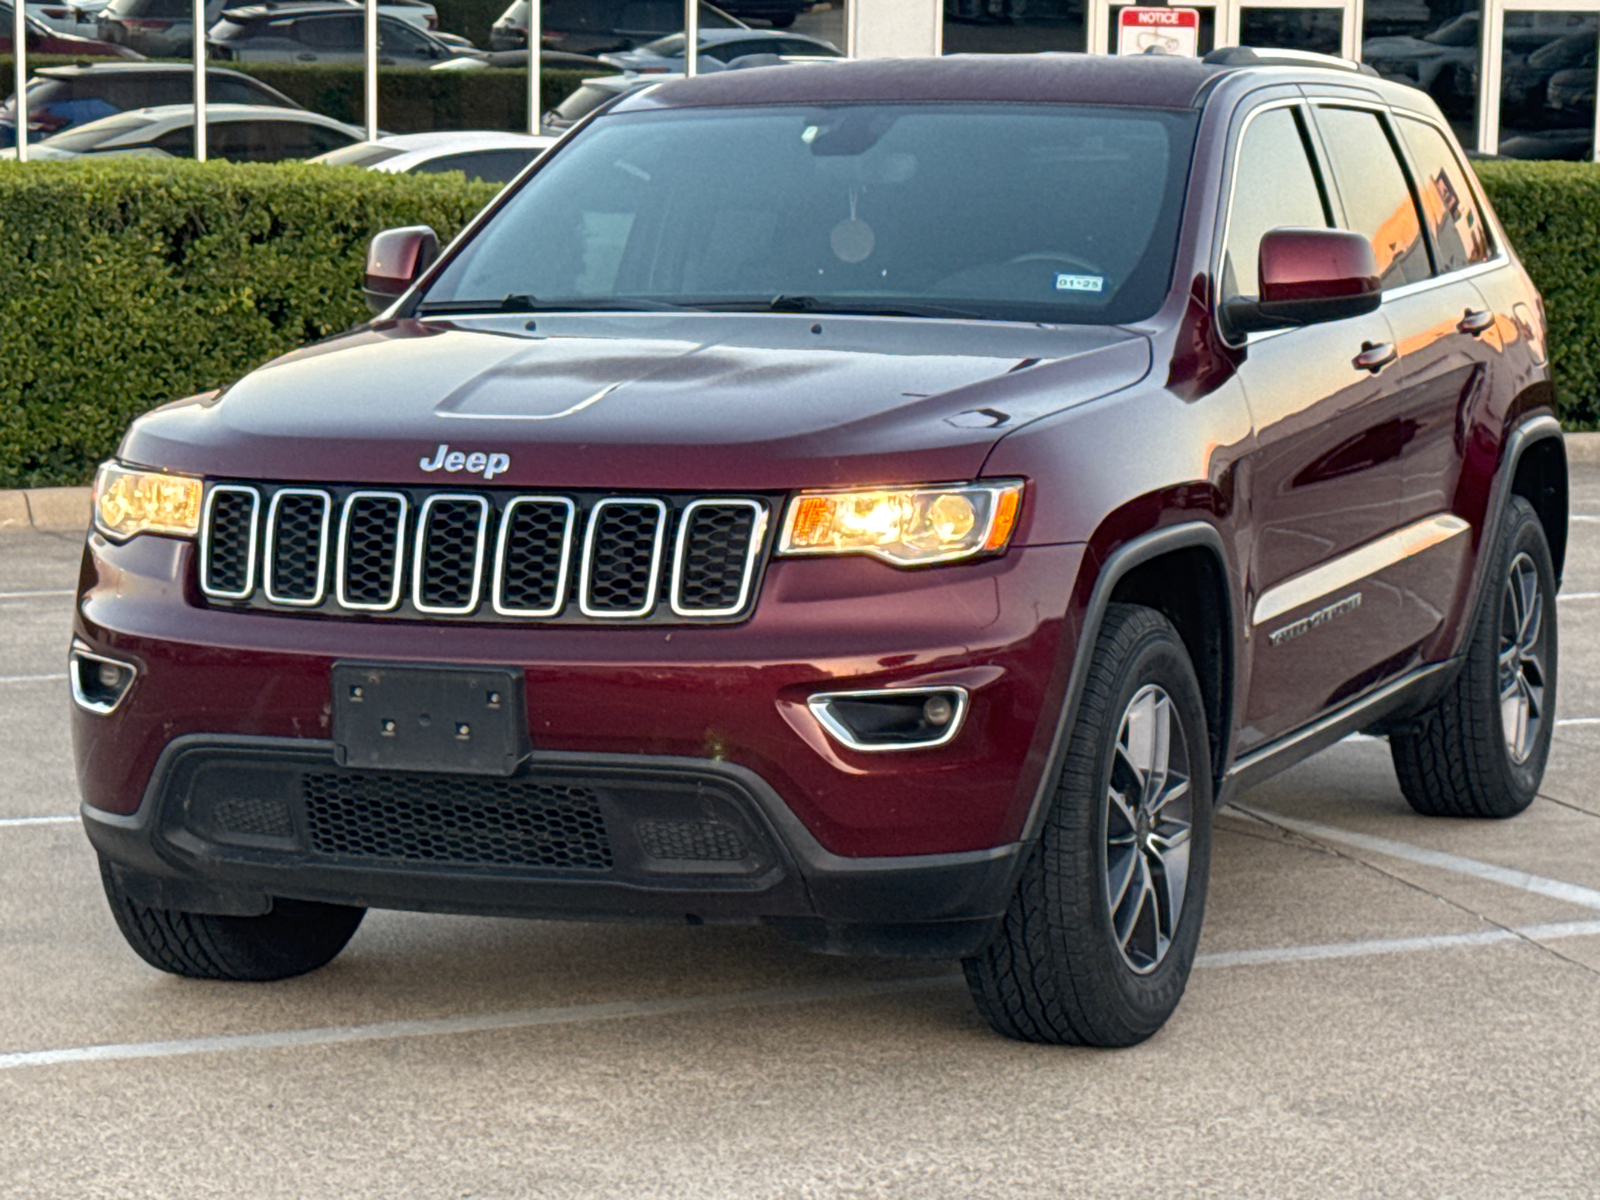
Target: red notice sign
x=1162, y=30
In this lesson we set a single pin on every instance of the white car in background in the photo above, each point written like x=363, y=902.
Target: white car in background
x=77, y=17
x=718, y=48
x=236, y=132
x=488, y=156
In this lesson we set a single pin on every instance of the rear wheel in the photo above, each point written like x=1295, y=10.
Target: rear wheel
x=1481, y=749
x=1098, y=941
x=295, y=937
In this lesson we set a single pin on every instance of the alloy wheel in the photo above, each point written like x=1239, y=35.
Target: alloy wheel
x=1522, y=672
x=1149, y=819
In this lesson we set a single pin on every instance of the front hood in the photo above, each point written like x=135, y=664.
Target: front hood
x=660, y=401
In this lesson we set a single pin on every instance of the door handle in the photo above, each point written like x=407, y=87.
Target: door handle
x=1375, y=356
x=1475, y=323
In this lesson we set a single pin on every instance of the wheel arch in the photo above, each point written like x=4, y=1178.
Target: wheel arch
x=1195, y=597
x=1538, y=474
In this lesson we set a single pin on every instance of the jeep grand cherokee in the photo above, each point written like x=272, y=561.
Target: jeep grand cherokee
x=895, y=502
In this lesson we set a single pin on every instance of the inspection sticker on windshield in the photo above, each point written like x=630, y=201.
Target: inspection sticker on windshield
x=1080, y=283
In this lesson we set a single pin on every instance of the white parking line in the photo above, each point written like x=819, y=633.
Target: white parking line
x=1582, y=517
x=32, y=678
x=14, y=821
x=1571, y=893
x=616, y=1010
x=35, y=595
x=1579, y=596
x=1409, y=945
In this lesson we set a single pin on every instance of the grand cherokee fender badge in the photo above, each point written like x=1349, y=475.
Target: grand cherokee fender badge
x=478, y=463
x=1321, y=617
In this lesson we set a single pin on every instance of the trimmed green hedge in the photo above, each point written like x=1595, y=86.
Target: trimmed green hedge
x=410, y=100
x=1552, y=212
x=127, y=283
x=124, y=284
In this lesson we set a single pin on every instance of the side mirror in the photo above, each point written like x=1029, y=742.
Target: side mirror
x=395, y=259
x=1308, y=276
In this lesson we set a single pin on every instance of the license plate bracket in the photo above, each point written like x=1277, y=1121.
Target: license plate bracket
x=466, y=720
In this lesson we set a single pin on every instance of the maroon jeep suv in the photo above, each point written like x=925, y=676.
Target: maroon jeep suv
x=893, y=502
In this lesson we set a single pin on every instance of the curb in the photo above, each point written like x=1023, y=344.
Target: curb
x=45, y=508
x=68, y=507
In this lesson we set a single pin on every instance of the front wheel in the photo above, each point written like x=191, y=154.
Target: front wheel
x=295, y=937
x=1099, y=938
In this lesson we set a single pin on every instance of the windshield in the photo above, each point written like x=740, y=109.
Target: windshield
x=85, y=137
x=1043, y=213
x=584, y=101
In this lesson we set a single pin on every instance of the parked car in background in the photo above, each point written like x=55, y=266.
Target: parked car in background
x=600, y=26
x=155, y=28
x=590, y=95
x=489, y=156
x=1570, y=93
x=326, y=33
x=517, y=60
x=780, y=14
x=236, y=132
x=76, y=17
x=62, y=98
x=718, y=47
x=42, y=39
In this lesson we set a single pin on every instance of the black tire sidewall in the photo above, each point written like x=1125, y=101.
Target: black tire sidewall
x=1157, y=656
x=1522, y=534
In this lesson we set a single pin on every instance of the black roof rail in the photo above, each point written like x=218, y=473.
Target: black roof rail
x=1250, y=56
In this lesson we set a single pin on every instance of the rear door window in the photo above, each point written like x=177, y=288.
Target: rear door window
x=493, y=166
x=1460, y=237
x=329, y=33
x=1274, y=187
x=1377, y=200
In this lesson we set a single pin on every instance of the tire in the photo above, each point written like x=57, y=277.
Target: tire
x=1469, y=754
x=1057, y=970
x=781, y=20
x=295, y=937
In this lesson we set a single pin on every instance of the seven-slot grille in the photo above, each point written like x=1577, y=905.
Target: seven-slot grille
x=578, y=558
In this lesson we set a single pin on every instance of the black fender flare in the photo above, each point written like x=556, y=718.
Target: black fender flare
x=1131, y=554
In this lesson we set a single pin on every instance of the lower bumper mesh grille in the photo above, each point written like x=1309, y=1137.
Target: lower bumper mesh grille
x=454, y=819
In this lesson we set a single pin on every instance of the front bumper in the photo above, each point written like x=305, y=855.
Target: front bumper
x=839, y=840
x=228, y=823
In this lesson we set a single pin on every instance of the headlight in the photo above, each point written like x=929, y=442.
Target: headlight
x=904, y=526
x=129, y=502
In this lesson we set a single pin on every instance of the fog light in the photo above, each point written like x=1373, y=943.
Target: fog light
x=98, y=683
x=891, y=719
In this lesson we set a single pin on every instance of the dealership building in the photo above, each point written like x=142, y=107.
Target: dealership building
x=1515, y=77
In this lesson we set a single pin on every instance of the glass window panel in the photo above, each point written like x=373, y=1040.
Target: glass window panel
x=1273, y=188
x=1547, y=85
x=1431, y=45
x=1377, y=200
x=1318, y=30
x=1452, y=214
x=1012, y=26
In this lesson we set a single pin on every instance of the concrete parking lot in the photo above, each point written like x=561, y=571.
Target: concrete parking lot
x=1386, y=1005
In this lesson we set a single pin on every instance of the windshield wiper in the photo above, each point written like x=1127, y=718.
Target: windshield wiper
x=847, y=307
x=517, y=303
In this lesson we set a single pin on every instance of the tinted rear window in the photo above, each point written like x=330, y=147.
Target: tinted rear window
x=1028, y=213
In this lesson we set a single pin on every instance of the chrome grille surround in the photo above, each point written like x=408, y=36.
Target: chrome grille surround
x=207, y=561
x=589, y=577
x=680, y=556
x=508, y=519
x=423, y=561
x=340, y=575
x=503, y=556
x=272, y=566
